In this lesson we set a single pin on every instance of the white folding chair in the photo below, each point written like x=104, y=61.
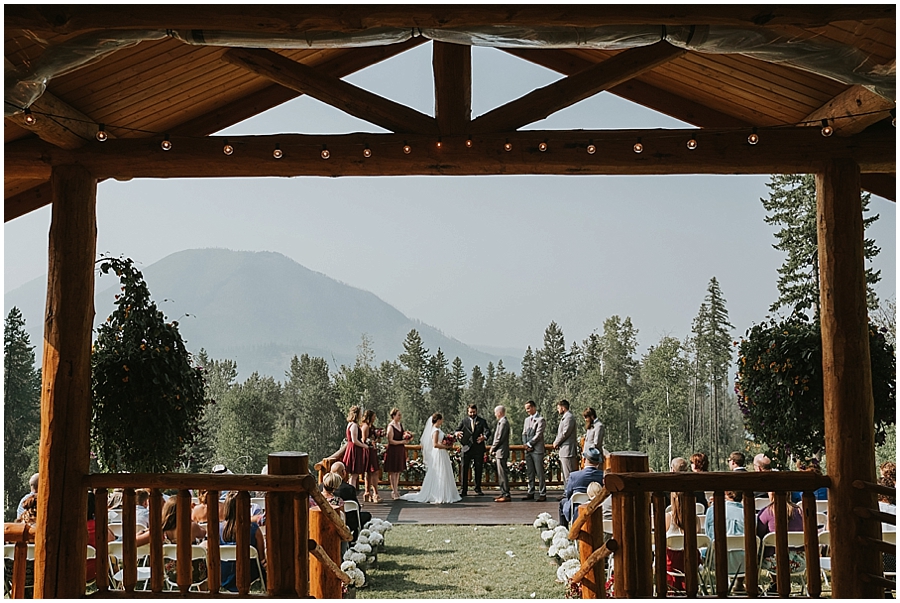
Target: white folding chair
x=761, y=503
x=228, y=552
x=736, y=558
x=170, y=551
x=701, y=510
x=890, y=538
x=675, y=542
x=578, y=498
x=607, y=526
x=116, y=529
x=822, y=521
x=259, y=501
x=795, y=541
x=9, y=554
x=351, y=507
x=116, y=568
x=822, y=506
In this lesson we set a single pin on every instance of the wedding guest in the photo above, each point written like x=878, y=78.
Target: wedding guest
x=761, y=463
x=566, y=443
x=594, y=432
x=29, y=511
x=810, y=466
x=734, y=526
x=346, y=491
x=169, y=521
x=200, y=512
x=142, y=504
x=472, y=433
x=372, y=465
x=533, y=438
x=500, y=451
x=395, y=457
x=114, y=506
x=736, y=461
x=888, y=471
x=355, y=454
x=765, y=523
x=27, y=516
x=228, y=535
x=579, y=482
x=700, y=464
x=32, y=489
x=681, y=505
x=887, y=504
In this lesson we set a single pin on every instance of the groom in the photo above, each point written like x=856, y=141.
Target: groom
x=472, y=432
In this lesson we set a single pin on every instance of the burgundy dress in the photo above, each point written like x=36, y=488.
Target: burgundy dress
x=395, y=457
x=373, y=464
x=354, y=456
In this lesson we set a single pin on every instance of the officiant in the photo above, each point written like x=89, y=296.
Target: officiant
x=472, y=432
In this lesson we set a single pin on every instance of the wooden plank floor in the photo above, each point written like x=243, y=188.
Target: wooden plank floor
x=471, y=510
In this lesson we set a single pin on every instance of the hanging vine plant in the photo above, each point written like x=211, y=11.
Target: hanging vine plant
x=780, y=391
x=147, y=396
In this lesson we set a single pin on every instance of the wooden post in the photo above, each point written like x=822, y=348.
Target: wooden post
x=811, y=546
x=129, y=546
x=101, y=527
x=751, y=555
x=782, y=565
x=59, y=564
x=590, y=538
x=691, y=575
x=281, y=533
x=323, y=584
x=156, y=541
x=183, y=541
x=721, y=544
x=847, y=379
x=631, y=530
x=452, y=66
x=659, y=535
x=214, y=576
x=242, y=543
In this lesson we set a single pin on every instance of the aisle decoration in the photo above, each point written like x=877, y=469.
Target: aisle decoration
x=565, y=551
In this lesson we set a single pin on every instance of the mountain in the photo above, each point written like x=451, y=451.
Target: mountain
x=260, y=309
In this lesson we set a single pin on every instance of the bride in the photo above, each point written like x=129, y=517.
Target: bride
x=439, y=485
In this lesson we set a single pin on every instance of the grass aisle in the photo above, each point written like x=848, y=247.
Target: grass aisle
x=419, y=562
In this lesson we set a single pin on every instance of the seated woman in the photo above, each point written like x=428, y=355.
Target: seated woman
x=228, y=535
x=765, y=523
x=681, y=504
x=200, y=512
x=170, y=536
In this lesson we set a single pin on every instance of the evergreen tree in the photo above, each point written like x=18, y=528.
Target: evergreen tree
x=531, y=379
x=458, y=380
x=247, y=415
x=475, y=393
x=490, y=389
x=663, y=403
x=412, y=379
x=360, y=384
x=309, y=419
x=21, y=411
x=792, y=206
x=220, y=376
x=610, y=385
x=442, y=392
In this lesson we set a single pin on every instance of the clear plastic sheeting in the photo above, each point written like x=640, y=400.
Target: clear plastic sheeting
x=613, y=37
x=310, y=39
x=22, y=89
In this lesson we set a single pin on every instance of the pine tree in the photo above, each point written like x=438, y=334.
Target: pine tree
x=663, y=403
x=309, y=419
x=458, y=379
x=442, y=392
x=220, y=376
x=21, y=410
x=475, y=393
x=412, y=379
x=247, y=423
x=792, y=205
x=490, y=389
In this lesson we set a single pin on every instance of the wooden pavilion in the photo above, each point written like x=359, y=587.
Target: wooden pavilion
x=97, y=92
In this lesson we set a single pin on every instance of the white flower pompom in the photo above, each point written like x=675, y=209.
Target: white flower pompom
x=552, y=524
x=552, y=551
x=346, y=566
x=359, y=579
x=569, y=552
x=561, y=530
x=388, y=526
x=547, y=536
x=568, y=569
x=544, y=515
x=362, y=548
x=560, y=542
x=539, y=523
x=354, y=556
x=364, y=533
x=362, y=540
x=376, y=538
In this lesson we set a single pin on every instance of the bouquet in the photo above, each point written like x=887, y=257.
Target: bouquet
x=449, y=440
x=407, y=435
x=378, y=432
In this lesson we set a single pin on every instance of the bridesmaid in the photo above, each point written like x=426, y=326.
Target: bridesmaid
x=395, y=457
x=369, y=435
x=355, y=454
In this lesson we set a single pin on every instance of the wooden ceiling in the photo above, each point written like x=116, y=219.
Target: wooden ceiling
x=172, y=87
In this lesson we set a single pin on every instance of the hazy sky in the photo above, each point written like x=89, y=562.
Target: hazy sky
x=488, y=260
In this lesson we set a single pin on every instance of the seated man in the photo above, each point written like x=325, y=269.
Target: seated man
x=734, y=526
x=579, y=482
x=346, y=491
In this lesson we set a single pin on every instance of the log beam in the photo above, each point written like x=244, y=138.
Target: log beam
x=59, y=123
x=334, y=91
x=847, y=378
x=27, y=201
x=268, y=20
x=540, y=103
x=843, y=111
x=59, y=565
x=452, y=67
x=793, y=150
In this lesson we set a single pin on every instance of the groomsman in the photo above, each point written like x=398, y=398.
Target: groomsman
x=500, y=451
x=533, y=438
x=472, y=433
x=566, y=442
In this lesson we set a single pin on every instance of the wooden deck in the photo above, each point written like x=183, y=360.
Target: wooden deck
x=471, y=510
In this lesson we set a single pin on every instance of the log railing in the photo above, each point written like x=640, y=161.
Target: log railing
x=413, y=476
x=293, y=557
x=877, y=543
x=21, y=535
x=636, y=529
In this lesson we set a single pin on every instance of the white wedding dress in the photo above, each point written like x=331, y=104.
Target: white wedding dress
x=439, y=485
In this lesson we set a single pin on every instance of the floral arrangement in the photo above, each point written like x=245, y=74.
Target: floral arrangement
x=415, y=469
x=378, y=432
x=355, y=574
x=566, y=571
x=449, y=440
x=556, y=537
x=573, y=590
x=544, y=520
x=407, y=435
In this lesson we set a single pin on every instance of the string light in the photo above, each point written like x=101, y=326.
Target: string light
x=367, y=152
x=325, y=152
x=406, y=148
x=508, y=146
x=166, y=144
x=591, y=149
x=227, y=148
x=30, y=119
x=101, y=133
x=439, y=143
x=638, y=146
x=469, y=142
x=277, y=153
x=754, y=137
x=542, y=147
x=692, y=143
x=827, y=130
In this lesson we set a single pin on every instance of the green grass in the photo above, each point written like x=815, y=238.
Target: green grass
x=419, y=563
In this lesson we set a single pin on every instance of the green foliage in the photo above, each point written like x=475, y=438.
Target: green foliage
x=309, y=419
x=247, y=422
x=780, y=391
x=147, y=396
x=792, y=205
x=21, y=410
x=663, y=402
x=412, y=379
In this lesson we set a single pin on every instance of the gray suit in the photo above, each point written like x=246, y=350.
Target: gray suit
x=533, y=436
x=567, y=445
x=500, y=450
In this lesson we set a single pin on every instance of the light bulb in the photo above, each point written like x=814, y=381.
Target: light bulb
x=827, y=130
x=367, y=152
x=277, y=153
x=407, y=149
x=439, y=143
x=469, y=143
x=30, y=119
x=753, y=138
x=227, y=149
x=591, y=149
x=542, y=146
x=508, y=146
x=638, y=147
x=692, y=143
x=325, y=153
x=101, y=134
x=166, y=144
